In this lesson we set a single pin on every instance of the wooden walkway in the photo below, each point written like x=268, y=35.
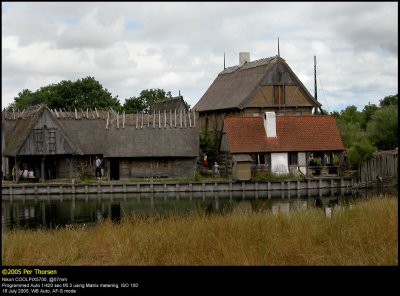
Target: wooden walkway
x=166, y=187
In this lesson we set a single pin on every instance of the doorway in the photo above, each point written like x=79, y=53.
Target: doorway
x=114, y=169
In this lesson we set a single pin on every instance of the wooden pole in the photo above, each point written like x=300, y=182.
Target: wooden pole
x=123, y=119
x=108, y=118
x=175, y=117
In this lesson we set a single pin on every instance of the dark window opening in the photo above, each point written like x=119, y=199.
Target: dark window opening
x=293, y=158
x=260, y=159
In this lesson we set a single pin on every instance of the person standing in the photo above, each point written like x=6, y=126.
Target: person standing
x=205, y=161
x=326, y=159
x=98, y=167
x=215, y=169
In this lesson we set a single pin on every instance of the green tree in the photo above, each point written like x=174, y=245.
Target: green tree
x=366, y=115
x=133, y=105
x=145, y=100
x=389, y=100
x=359, y=153
x=81, y=94
x=208, y=147
x=350, y=133
x=351, y=115
x=383, y=128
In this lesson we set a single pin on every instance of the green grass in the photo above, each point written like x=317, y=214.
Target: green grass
x=365, y=234
x=260, y=176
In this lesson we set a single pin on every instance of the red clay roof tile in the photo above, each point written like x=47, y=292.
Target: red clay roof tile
x=294, y=133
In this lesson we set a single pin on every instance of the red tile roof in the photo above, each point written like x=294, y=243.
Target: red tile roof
x=294, y=133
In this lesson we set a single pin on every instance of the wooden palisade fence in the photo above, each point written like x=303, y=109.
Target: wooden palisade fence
x=382, y=168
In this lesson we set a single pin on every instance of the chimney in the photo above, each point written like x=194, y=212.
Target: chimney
x=244, y=57
x=270, y=124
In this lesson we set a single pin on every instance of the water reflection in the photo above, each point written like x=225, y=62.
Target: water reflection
x=51, y=211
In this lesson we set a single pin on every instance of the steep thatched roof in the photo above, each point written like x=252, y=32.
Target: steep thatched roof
x=17, y=131
x=234, y=86
x=158, y=134
x=175, y=103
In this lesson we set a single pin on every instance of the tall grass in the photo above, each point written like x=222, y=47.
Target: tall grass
x=365, y=234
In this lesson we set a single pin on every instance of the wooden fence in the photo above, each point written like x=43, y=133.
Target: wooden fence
x=383, y=166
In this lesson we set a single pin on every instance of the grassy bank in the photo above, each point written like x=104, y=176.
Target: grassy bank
x=365, y=234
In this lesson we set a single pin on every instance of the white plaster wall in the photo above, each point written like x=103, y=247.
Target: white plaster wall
x=270, y=124
x=302, y=158
x=279, y=163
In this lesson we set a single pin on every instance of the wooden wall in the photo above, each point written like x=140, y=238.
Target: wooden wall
x=157, y=167
x=383, y=166
x=293, y=97
x=53, y=142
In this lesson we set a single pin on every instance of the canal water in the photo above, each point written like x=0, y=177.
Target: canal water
x=53, y=211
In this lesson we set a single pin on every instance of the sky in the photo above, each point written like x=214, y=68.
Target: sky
x=180, y=46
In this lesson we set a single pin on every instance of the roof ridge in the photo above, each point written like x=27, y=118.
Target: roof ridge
x=247, y=65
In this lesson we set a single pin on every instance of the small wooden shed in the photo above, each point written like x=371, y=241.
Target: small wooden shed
x=241, y=167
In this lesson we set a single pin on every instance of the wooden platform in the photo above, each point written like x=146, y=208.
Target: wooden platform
x=165, y=187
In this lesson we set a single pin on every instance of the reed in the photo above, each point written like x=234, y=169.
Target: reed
x=364, y=234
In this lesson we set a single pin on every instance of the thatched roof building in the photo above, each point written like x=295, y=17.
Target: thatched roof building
x=42, y=132
x=243, y=86
x=250, y=89
x=176, y=103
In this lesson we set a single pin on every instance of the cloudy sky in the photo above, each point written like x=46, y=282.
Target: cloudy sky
x=179, y=46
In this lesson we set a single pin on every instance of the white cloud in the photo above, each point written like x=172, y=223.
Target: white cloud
x=131, y=46
x=91, y=32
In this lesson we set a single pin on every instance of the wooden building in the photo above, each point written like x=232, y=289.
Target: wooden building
x=58, y=144
x=284, y=144
x=175, y=103
x=250, y=89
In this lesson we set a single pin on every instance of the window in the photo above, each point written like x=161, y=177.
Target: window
x=260, y=159
x=293, y=159
x=38, y=135
x=279, y=94
x=52, y=140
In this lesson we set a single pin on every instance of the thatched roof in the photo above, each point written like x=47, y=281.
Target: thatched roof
x=175, y=103
x=158, y=134
x=234, y=86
